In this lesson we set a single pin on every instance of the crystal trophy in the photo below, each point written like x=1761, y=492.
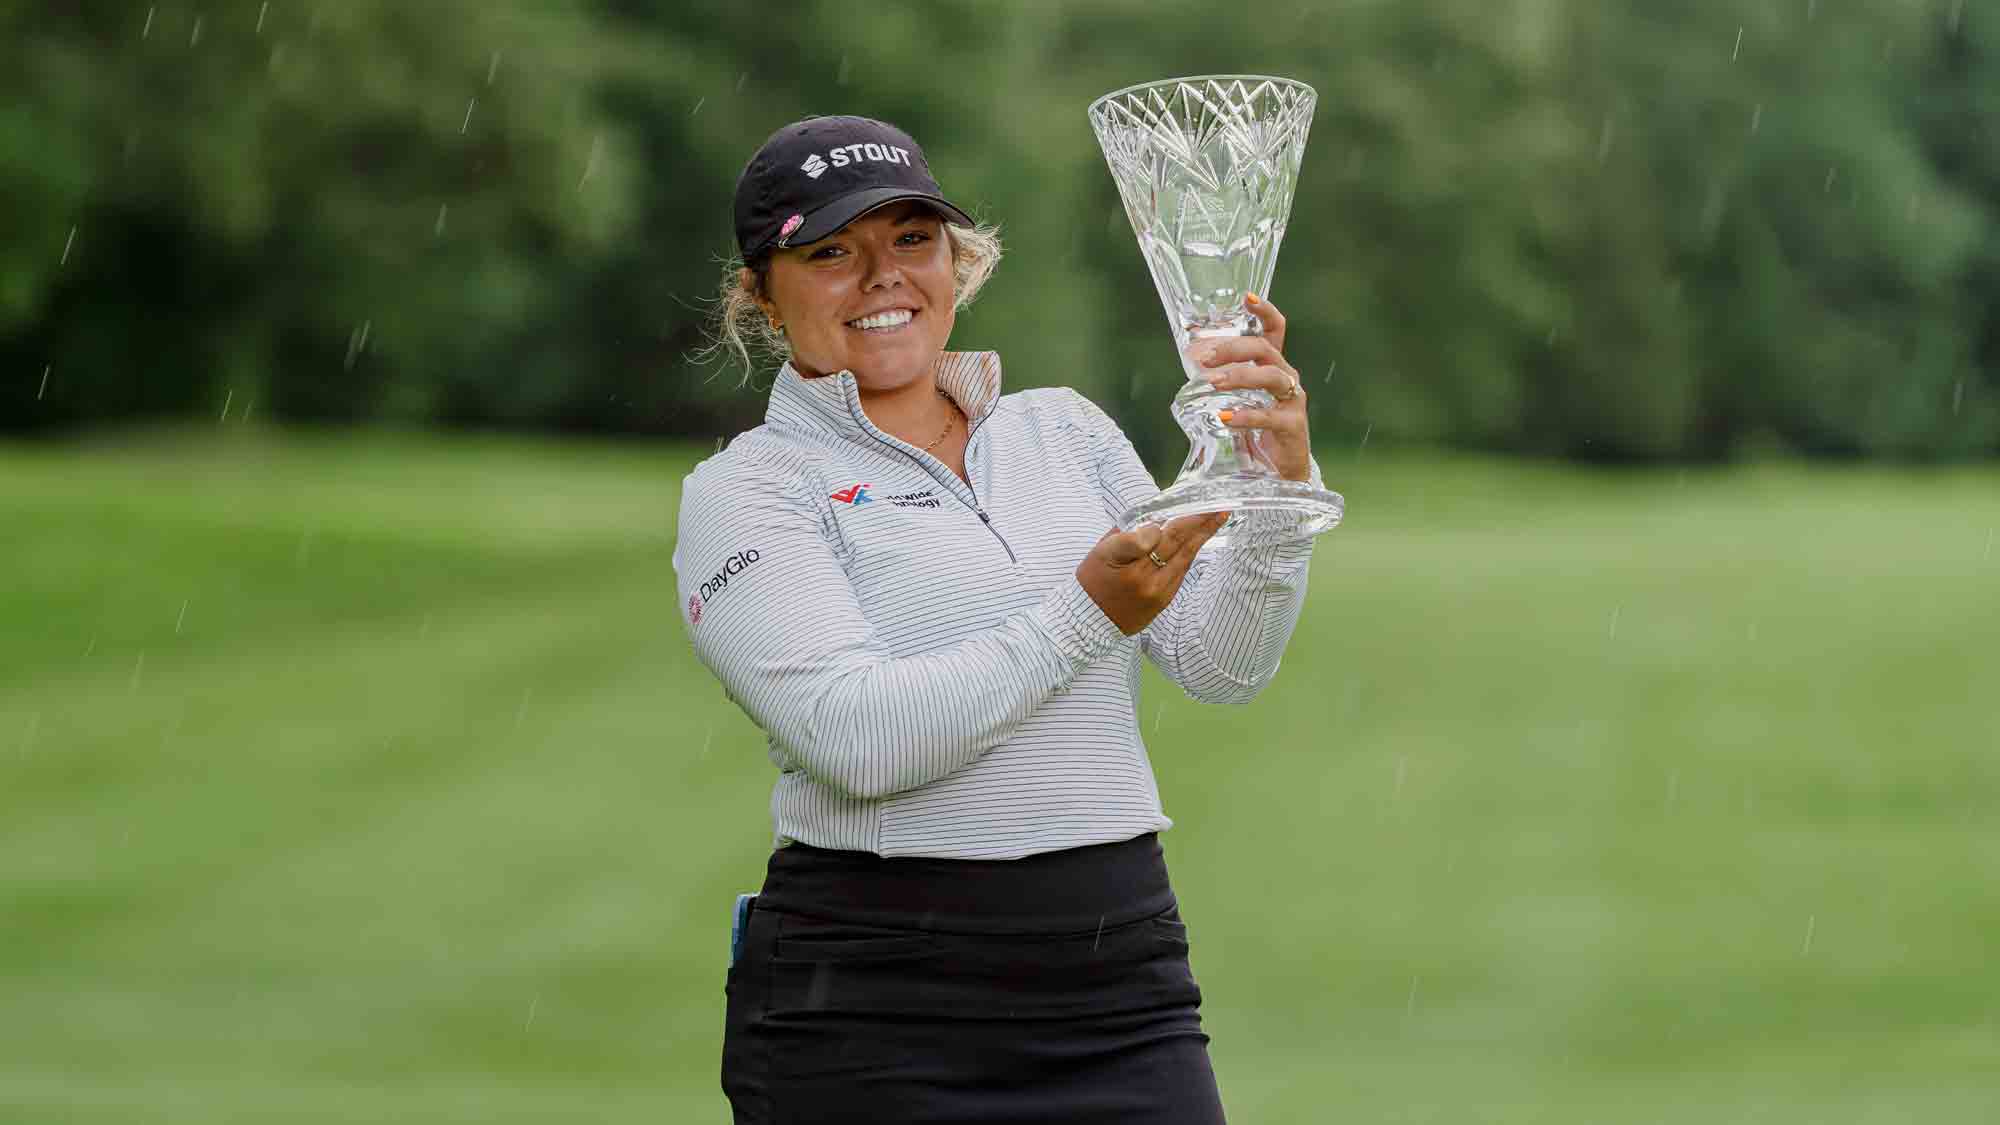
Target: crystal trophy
x=1206, y=168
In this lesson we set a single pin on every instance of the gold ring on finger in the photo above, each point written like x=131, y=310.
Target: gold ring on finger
x=1155, y=556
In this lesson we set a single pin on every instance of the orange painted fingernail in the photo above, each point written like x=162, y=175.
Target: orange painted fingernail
x=1225, y=415
x=1253, y=298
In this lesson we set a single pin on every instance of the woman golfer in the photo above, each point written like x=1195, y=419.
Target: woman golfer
x=904, y=577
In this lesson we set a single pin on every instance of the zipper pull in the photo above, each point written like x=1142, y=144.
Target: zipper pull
x=983, y=517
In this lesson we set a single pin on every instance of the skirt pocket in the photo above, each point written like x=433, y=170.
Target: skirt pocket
x=812, y=940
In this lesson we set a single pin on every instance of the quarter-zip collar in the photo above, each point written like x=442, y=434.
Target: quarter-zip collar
x=831, y=404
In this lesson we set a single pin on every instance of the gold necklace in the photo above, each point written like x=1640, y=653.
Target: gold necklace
x=949, y=421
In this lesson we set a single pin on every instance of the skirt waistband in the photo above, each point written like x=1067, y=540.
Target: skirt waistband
x=1069, y=891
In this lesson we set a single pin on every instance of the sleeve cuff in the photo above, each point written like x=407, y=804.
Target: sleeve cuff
x=1285, y=555
x=1079, y=629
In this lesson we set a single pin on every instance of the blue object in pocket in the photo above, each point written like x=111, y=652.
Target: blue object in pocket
x=739, y=926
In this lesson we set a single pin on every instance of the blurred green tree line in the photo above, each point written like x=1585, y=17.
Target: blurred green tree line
x=1610, y=229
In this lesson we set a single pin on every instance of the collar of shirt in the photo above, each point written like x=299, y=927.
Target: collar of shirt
x=832, y=403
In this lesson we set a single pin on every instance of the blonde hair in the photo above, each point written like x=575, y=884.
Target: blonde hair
x=740, y=332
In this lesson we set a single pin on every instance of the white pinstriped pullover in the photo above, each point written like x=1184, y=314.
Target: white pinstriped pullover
x=931, y=677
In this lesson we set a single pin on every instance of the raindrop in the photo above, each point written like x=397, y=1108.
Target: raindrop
x=1615, y=611
x=706, y=739
x=1329, y=372
x=181, y=618
x=590, y=162
x=1957, y=395
x=1410, y=1004
x=1738, y=49
x=1364, y=439
x=147, y=30
x=45, y=381
x=67, y=243
x=1712, y=208
x=1604, y=139
x=1828, y=185
x=531, y=1014
x=1957, y=8
x=262, y=9
x=1159, y=713
x=357, y=342
x=468, y=116
x=1100, y=933
x=225, y=406
x=195, y=35
x=697, y=106
x=437, y=228
x=92, y=646
x=1983, y=558
x=138, y=671
x=1756, y=116
x=740, y=79
x=1811, y=919
x=492, y=68
x=521, y=709
x=248, y=405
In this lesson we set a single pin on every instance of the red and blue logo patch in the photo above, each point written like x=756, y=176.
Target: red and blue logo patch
x=852, y=494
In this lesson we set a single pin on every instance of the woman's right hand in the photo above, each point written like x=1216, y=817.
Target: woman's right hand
x=1120, y=575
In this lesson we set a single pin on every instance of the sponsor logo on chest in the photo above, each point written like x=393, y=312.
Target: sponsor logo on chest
x=928, y=498
x=857, y=494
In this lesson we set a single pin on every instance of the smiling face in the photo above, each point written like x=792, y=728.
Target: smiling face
x=874, y=297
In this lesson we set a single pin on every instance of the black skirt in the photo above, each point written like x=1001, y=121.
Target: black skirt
x=1053, y=988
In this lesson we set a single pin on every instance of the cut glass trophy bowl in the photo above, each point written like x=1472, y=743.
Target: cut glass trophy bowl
x=1206, y=168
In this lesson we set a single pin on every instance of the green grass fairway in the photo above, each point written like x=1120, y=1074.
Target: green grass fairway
x=371, y=779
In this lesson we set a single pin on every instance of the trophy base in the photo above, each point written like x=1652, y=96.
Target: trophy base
x=1264, y=510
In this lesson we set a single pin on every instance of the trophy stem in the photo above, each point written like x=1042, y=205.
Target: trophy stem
x=1216, y=450
x=1226, y=471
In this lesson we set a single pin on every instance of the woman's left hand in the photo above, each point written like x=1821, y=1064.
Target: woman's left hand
x=1259, y=362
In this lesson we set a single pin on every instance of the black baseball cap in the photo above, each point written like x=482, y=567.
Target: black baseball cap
x=817, y=175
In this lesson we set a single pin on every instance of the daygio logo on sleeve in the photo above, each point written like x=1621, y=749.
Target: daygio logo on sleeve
x=719, y=581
